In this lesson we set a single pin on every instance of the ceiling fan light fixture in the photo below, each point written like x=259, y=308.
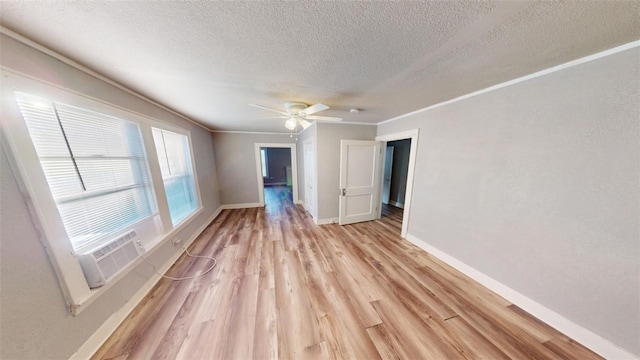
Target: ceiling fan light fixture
x=290, y=123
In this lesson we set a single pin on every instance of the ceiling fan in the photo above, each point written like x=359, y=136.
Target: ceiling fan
x=299, y=113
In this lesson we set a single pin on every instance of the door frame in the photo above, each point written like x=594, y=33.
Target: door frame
x=413, y=149
x=294, y=168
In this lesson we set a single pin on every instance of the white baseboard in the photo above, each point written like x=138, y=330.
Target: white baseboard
x=593, y=341
x=396, y=204
x=240, y=206
x=101, y=335
x=326, y=221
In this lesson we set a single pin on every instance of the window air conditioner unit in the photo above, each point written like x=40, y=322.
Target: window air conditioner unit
x=103, y=263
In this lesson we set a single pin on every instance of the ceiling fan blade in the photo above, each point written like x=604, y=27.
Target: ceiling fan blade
x=313, y=109
x=270, y=109
x=304, y=123
x=322, y=118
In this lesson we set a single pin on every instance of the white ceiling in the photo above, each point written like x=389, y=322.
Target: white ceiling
x=209, y=60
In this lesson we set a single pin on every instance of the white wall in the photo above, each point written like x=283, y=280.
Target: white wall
x=538, y=186
x=236, y=164
x=328, y=175
x=35, y=323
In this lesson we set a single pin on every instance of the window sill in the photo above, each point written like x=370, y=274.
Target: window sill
x=150, y=248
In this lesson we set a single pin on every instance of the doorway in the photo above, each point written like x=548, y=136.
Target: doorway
x=397, y=178
x=396, y=168
x=276, y=174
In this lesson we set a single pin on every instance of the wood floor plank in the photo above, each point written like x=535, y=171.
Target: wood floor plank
x=569, y=349
x=414, y=344
x=169, y=345
x=286, y=288
x=244, y=321
x=385, y=342
x=265, y=341
x=475, y=344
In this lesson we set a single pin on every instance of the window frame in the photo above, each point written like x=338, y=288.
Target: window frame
x=193, y=170
x=25, y=164
x=141, y=169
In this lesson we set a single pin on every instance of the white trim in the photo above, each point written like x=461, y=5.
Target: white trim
x=333, y=220
x=396, y=204
x=593, y=341
x=294, y=168
x=88, y=71
x=95, y=341
x=544, y=72
x=240, y=206
x=413, y=154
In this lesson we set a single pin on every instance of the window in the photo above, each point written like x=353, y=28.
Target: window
x=263, y=158
x=91, y=176
x=95, y=167
x=174, y=157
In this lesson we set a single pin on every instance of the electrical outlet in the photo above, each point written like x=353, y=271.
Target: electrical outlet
x=176, y=242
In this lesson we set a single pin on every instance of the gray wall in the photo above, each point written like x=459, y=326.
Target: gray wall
x=35, y=323
x=236, y=164
x=537, y=185
x=400, y=167
x=328, y=155
x=277, y=161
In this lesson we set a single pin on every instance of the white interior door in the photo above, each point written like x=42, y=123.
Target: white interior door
x=309, y=177
x=359, y=180
x=386, y=179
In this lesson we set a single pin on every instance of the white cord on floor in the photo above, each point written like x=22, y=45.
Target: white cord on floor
x=215, y=262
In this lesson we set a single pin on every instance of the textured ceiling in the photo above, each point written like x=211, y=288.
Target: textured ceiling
x=209, y=60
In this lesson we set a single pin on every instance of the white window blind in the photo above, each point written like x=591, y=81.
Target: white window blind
x=95, y=167
x=174, y=157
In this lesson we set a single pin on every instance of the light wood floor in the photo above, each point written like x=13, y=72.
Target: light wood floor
x=286, y=288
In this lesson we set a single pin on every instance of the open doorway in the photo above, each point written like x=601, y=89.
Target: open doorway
x=397, y=178
x=277, y=175
x=394, y=184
